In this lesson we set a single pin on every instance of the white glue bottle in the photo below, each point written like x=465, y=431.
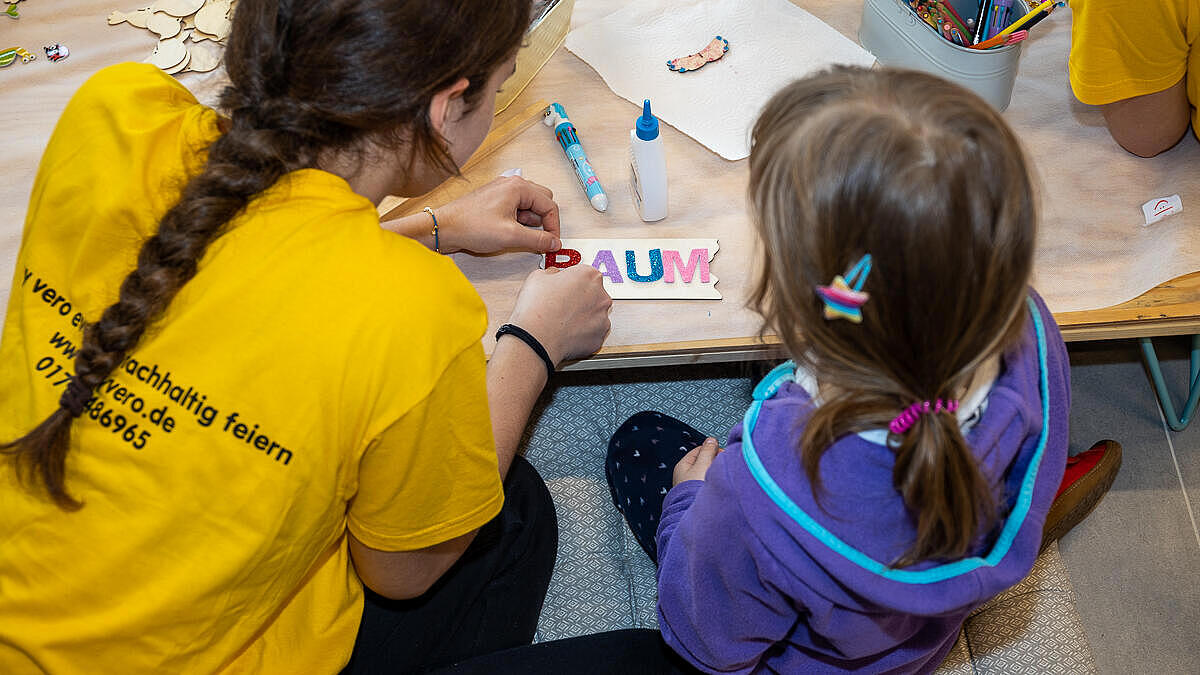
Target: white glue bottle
x=648, y=167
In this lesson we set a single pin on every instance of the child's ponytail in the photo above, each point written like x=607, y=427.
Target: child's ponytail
x=951, y=500
x=943, y=487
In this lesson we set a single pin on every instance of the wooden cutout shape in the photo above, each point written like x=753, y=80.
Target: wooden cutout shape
x=213, y=19
x=178, y=68
x=177, y=8
x=136, y=18
x=183, y=21
x=204, y=57
x=164, y=25
x=168, y=54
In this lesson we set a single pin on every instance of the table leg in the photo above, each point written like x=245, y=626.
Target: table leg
x=1160, y=386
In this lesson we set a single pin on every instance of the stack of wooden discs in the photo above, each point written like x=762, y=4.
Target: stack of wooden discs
x=191, y=33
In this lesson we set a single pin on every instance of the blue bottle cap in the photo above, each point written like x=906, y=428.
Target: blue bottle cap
x=647, y=124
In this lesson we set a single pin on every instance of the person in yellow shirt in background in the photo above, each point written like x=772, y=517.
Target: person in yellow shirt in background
x=230, y=399
x=1138, y=61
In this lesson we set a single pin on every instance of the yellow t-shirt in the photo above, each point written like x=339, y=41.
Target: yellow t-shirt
x=318, y=374
x=1121, y=49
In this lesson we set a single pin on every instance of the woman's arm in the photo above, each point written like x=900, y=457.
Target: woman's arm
x=515, y=379
x=507, y=213
x=567, y=312
x=402, y=575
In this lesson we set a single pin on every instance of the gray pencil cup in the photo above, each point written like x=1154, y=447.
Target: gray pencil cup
x=897, y=37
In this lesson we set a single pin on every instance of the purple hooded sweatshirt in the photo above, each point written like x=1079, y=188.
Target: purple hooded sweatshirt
x=754, y=576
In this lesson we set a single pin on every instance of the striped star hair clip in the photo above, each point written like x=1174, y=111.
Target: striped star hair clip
x=844, y=297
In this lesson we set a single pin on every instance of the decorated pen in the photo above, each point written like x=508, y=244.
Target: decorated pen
x=568, y=138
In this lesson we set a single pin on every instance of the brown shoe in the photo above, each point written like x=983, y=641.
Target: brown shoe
x=1088, y=476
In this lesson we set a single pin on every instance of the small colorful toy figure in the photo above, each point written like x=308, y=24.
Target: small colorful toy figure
x=9, y=56
x=56, y=52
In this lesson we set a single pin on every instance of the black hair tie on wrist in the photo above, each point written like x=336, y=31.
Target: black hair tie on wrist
x=524, y=336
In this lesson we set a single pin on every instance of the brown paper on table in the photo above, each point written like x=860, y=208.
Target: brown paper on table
x=1093, y=250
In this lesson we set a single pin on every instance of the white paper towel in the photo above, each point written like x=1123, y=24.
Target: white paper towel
x=771, y=43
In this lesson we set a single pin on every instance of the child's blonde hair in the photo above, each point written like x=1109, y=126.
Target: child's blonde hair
x=929, y=180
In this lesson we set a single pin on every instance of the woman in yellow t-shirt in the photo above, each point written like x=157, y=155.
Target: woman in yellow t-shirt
x=233, y=400
x=1139, y=62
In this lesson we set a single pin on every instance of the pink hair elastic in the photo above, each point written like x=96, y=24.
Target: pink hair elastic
x=904, y=421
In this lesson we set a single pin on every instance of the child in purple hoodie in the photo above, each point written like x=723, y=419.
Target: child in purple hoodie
x=897, y=472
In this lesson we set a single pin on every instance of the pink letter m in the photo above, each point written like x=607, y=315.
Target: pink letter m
x=698, y=259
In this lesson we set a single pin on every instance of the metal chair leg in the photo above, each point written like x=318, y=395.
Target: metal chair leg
x=1177, y=423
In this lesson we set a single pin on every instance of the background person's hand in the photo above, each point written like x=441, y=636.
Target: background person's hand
x=694, y=465
x=507, y=213
x=565, y=309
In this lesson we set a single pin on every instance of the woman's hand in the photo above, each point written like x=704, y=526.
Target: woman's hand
x=565, y=309
x=504, y=214
x=694, y=465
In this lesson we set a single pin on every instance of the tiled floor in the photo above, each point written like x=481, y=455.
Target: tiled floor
x=1135, y=562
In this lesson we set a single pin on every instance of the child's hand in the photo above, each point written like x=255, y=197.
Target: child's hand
x=507, y=213
x=694, y=465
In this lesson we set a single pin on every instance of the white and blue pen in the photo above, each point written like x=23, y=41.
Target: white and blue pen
x=568, y=138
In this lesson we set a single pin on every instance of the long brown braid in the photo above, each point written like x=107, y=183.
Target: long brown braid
x=306, y=78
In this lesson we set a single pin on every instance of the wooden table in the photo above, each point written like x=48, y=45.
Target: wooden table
x=1172, y=308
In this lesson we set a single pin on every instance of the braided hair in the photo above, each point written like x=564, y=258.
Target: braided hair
x=307, y=78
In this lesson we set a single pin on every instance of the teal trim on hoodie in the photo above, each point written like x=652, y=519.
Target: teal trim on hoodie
x=786, y=373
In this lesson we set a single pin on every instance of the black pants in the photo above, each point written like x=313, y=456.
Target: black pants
x=488, y=601
x=639, y=651
x=641, y=460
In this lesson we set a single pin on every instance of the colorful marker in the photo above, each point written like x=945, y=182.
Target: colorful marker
x=981, y=22
x=1000, y=16
x=568, y=138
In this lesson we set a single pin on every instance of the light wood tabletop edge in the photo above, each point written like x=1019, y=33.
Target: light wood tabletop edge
x=1172, y=308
